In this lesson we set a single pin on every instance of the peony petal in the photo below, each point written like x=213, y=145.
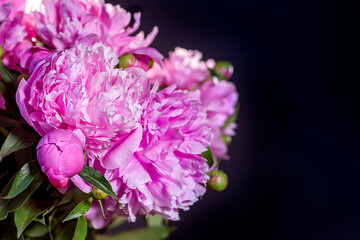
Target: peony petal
x=122, y=151
x=81, y=184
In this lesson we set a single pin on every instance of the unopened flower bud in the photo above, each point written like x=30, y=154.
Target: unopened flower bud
x=98, y=194
x=142, y=61
x=226, y=139
x=127, y=60
x=218, y=181
x=60, y=156
x=224, y=70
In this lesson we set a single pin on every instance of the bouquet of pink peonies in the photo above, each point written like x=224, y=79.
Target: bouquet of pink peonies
x=98, y=128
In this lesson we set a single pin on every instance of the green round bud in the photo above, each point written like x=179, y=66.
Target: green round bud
x=226, y=139
x=218, y=180
x=224, y=70
x=126, y=60
x=98, y=194
x=151, y=63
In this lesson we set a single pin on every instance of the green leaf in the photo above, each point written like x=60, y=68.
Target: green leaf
x=208, y=155
x=95, y=178
x=154, y=220
x=10, y=205
x=231, y=119
x=149, y=233
x=8, y=122
x=23, y=179
x=23, y=156
x=18, y=138
x=66, y=232
x=36, y=230
x=116, y=221
x=25, y=215
x=79, y=210
x=50, y=225
x=7, y=76
x=8, y=85
x=8, y=229
x=81, y=229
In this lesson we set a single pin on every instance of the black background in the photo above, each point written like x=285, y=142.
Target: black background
x=294, y=168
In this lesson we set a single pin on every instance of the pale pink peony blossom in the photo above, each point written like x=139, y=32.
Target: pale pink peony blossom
x=64, y=22
x=183, y=68
x=167, y=172
x=60, y=157
x=79, y=89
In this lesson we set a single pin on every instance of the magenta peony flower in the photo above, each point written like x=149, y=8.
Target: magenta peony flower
x=166, y=173
x=79, y=89
x=220, y=99
x=60, y=156
x=64, y=22
x=183, y=68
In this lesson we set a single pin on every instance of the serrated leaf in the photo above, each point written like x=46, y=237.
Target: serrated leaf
x=23, y=179
x=25, y=215
x=149, y=233
x=95, y=178
x=81, y=229
x=232, y=118
x=8, y=122
x=82, y=208
x=154, y=220
x=18, y=138
x=10, y=205
x=208, y=155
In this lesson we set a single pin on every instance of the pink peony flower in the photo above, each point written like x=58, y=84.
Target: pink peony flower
x=183, y=68
x=79, y=89
x=166, y=173
x=220, y=99
x=17, y=30
x=64, y=22
x=186, y=69
x=60, y=156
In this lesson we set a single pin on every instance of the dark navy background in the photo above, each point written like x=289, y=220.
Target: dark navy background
x=294, y=169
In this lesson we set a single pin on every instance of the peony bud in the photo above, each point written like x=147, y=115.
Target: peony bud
x=218, y=181
x=60, y=156
x=135, y=60
x=224, y=70
x=98, y=194
x=127, y=60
